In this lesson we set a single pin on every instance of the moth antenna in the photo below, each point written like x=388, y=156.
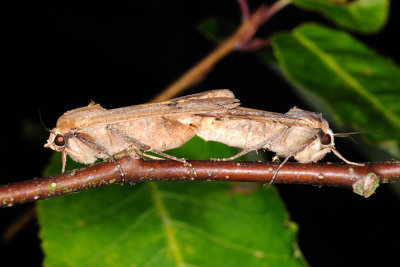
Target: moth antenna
x=41, y=121
x=346, y=134
x=359, y=132
x=344, y=159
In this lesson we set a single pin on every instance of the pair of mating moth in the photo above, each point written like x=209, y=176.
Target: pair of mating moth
x=92, y=132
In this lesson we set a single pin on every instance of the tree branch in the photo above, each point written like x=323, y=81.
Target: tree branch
x=363, y=180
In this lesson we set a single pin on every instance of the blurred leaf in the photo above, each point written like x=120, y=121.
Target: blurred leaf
x=169, y=223
x=359, y=15
x=203, y=150
x=216, y=29
x=32, y=131
x=360, y=87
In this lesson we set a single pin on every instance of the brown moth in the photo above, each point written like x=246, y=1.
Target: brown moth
x=93, y=132
x=300, y=134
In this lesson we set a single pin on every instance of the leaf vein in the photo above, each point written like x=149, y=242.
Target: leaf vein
x=227, y=244
x=202, y=202
x=167, y=224
x=124, y=235
x=353, y=83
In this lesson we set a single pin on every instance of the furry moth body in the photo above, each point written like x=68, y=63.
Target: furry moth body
x=300, y=134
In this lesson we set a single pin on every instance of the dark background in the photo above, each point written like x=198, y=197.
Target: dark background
x=60, y=55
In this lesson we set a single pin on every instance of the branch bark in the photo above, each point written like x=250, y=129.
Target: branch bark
x=362, y=180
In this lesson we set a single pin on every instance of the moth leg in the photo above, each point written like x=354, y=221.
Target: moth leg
x=292, y=154
x=152, y=157
x=254, y=148
x=238, y=155
x=160, y=153
x=87, y=140
x=64, y=160
x=144, y=147
x=344, y=159
x=129, y=152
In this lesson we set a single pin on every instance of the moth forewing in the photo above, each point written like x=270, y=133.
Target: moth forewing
x=94, y=114
x=294, y=117
x=90, y=133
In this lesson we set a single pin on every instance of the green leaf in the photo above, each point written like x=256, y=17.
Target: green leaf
x=169, y=223
x=360, y=15
x=216, y=29
x=201, y=150
x=360, y=87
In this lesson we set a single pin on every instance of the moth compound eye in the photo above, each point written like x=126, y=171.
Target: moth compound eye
x=326, y=139
x=59, y=140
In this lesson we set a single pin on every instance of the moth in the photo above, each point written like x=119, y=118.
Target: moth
x=93, y=132
x=301, y=134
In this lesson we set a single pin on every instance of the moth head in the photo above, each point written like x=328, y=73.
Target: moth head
x=327, y=142
x=57, y=141
x=318, y=148
x=326, y=138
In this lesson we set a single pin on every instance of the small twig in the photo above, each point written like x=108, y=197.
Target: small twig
x=278, y=5
x=244, y=9
x=363, y=180
x=255, y=44
x=17, y=225
x=236, y=41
